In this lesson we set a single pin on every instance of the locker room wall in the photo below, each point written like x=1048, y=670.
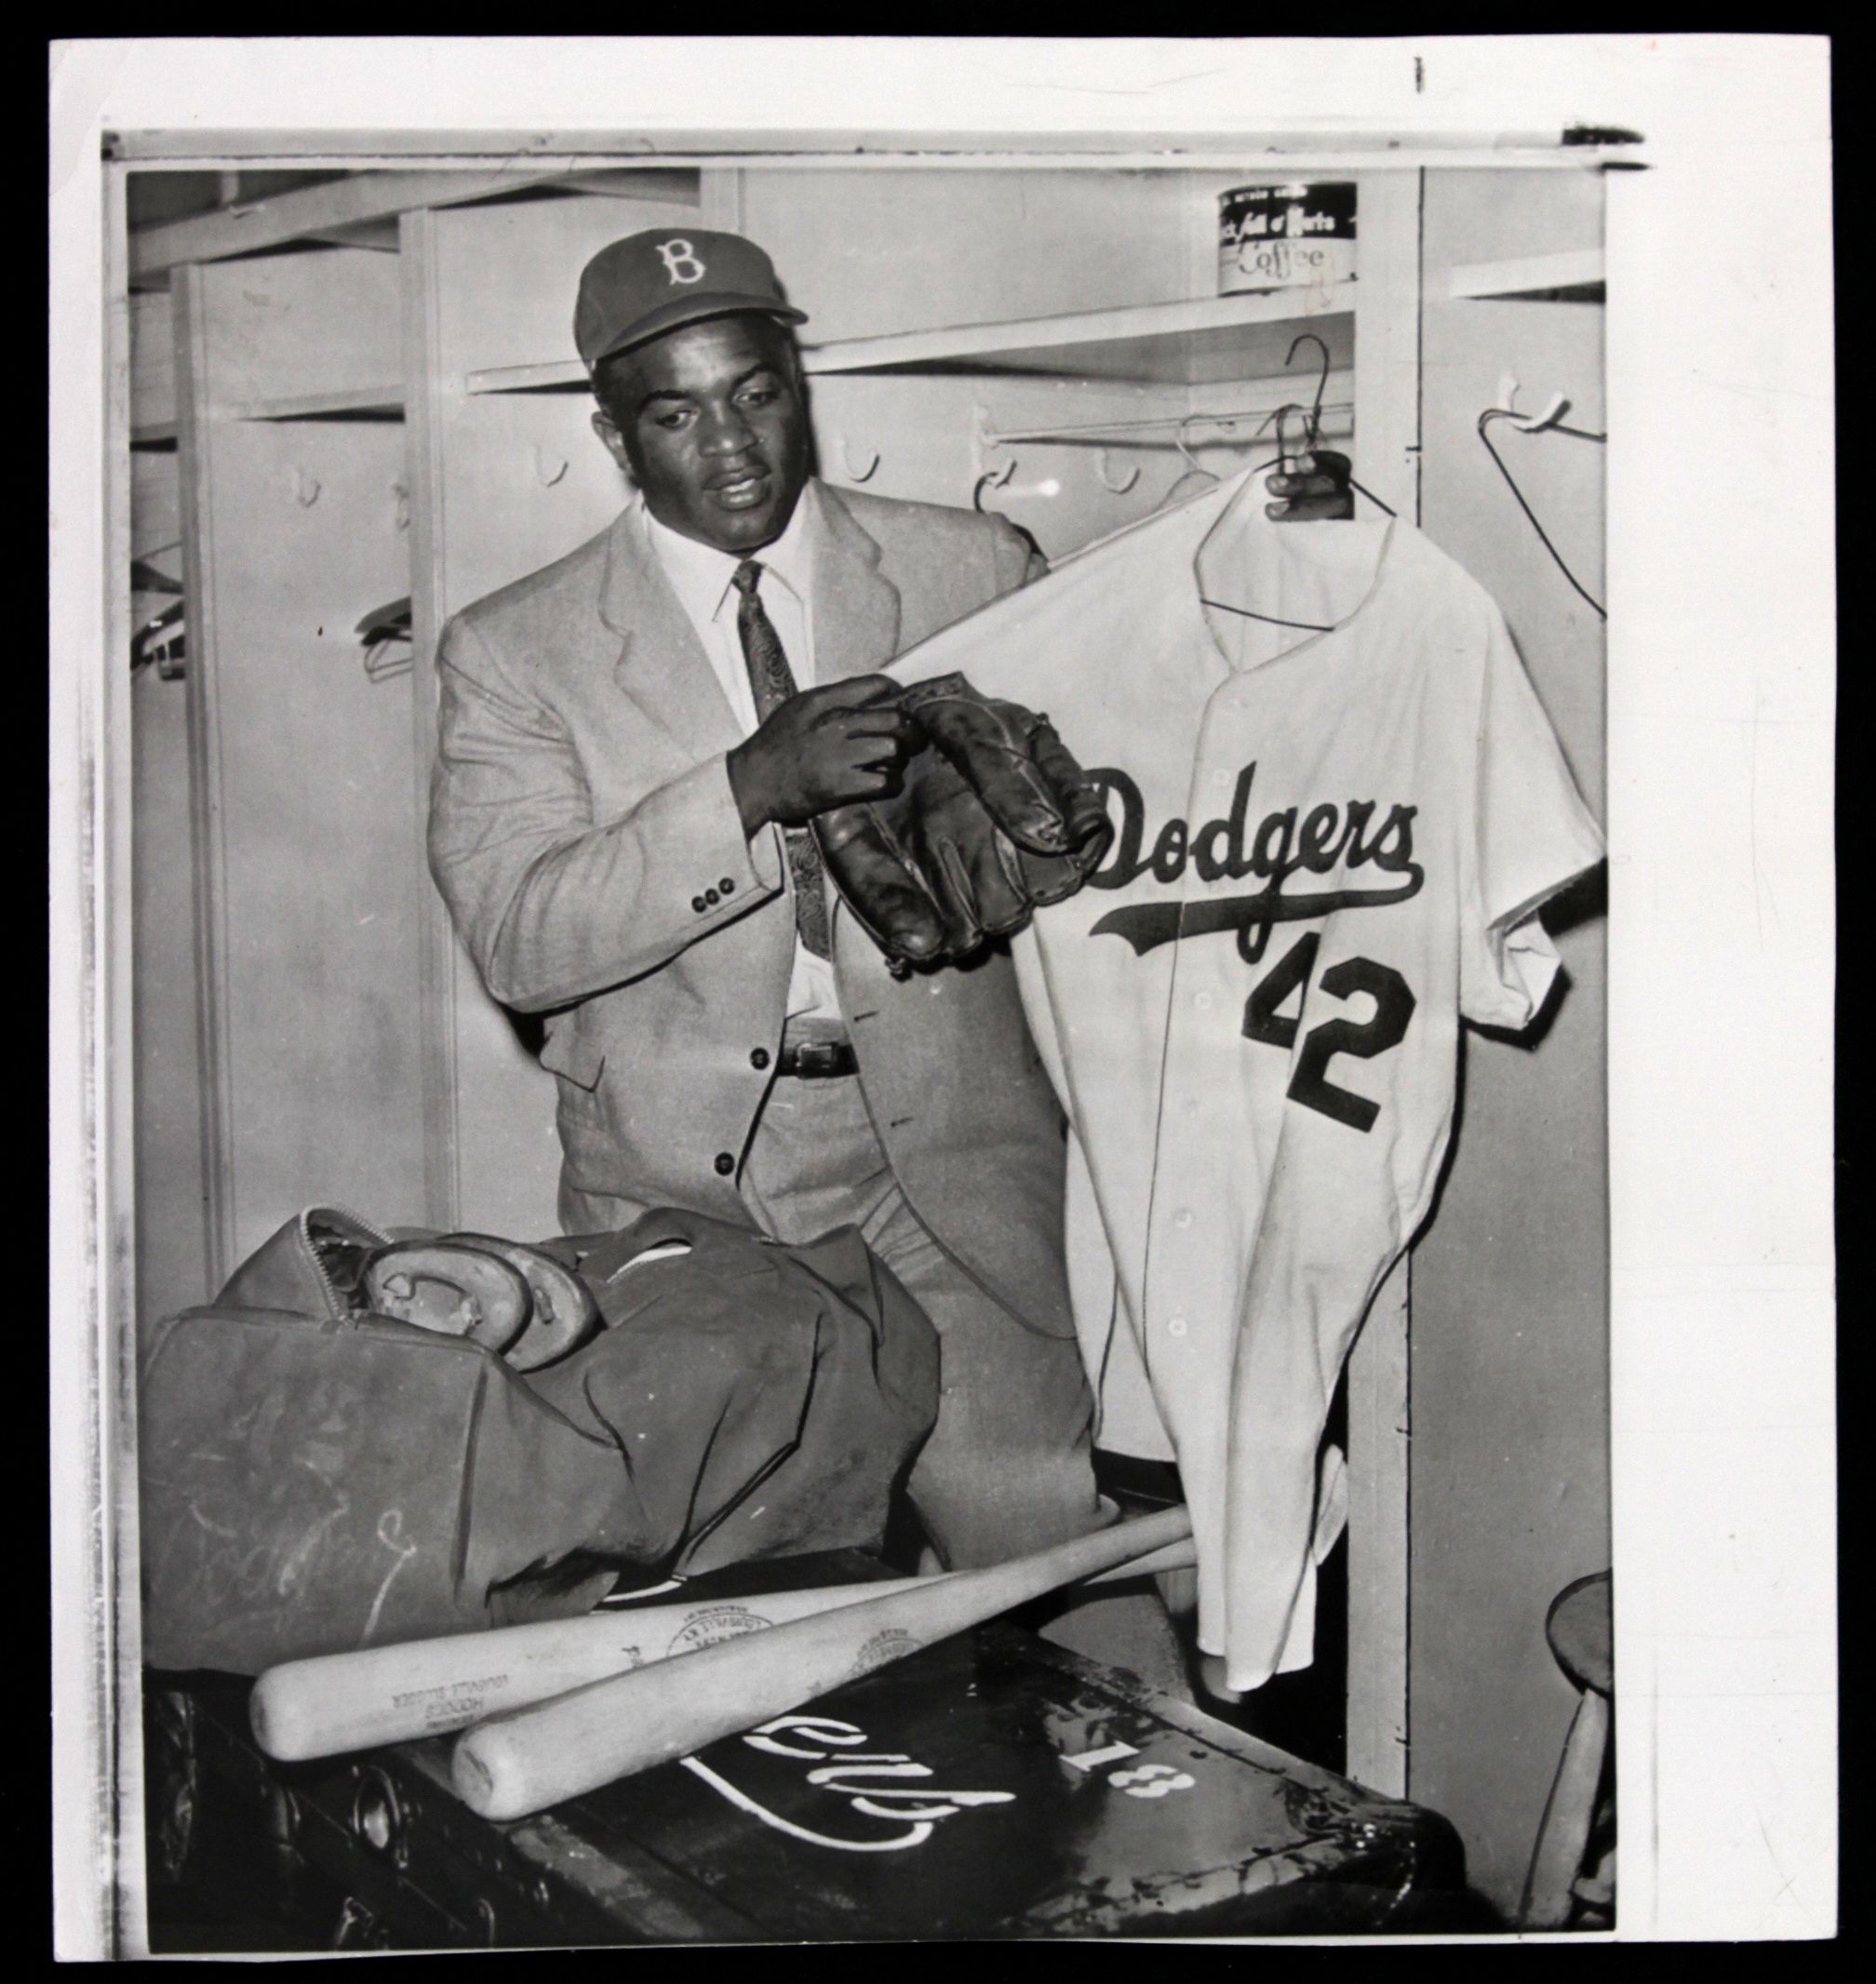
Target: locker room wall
x=172, y=1230
x=924, y=430
x=171, y=1239
x=1509, y=1395
x=171, y=1234
x=502, y=483
x=302, y=763
x=865, y=253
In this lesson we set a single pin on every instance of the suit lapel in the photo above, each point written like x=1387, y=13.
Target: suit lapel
x=856, y=609
x=661, y=665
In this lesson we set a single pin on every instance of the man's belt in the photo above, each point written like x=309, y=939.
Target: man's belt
x=813, y=1060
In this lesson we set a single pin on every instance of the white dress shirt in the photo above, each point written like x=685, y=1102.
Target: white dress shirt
x=701, y=576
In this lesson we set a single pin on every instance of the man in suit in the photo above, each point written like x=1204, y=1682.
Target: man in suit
x=631, y=742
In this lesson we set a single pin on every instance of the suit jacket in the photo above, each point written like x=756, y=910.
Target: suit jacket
x=584, y=834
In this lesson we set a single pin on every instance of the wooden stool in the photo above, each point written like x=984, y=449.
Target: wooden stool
x=1578, y=1629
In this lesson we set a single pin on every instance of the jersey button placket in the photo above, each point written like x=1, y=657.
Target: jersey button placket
x=1200, y=1035
x=1170, y=1264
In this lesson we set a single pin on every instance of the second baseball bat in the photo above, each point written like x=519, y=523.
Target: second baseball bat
x=332, y=1702
x=328, y=1703
x=521, y=1761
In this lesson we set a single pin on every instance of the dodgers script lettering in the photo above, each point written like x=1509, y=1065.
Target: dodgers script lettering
x=1290, y=841
x=1324, y=838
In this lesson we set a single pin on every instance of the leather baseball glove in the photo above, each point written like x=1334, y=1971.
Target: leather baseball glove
x=992, y=819
x=509, y=1297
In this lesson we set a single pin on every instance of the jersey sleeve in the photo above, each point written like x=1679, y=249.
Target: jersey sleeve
x=1531, y=834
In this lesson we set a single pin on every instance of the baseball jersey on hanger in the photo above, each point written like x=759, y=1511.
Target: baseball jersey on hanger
x=1331, y=836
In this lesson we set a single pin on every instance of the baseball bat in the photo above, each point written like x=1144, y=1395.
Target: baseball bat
x=333, y=1702
x=395, y=1694
x=524, y=1759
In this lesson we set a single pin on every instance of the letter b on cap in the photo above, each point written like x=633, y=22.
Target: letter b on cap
x=680, y=261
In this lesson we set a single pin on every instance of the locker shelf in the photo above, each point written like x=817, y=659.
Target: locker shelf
x=1201, y=342
x=558, y=375
x=1576, y=276
x=385, y=402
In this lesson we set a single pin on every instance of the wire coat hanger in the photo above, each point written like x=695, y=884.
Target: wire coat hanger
x=1315, y=416
x=1307, y=627
x=1547, y=424
x=1224, y=606
x=1312, y=419
x=1313, y=431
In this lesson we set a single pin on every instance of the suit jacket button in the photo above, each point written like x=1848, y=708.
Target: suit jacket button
x=725, y=1163
x=699, y=904
x=711, y=897
x=727, y=885
x=759, y=1057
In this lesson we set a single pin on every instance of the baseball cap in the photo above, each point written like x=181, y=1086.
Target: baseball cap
x=652, y=282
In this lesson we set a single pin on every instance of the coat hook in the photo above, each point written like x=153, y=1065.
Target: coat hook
x=1185, y=453
x=857, y=475
x=992, y=479
x=305, y=489
x=1554, y=411
x=1104, y=468
x=544, y=474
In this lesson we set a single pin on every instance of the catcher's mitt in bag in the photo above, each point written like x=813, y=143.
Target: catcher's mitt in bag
x=994, y=820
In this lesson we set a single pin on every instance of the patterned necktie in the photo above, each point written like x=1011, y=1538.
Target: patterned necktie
x=773, y=682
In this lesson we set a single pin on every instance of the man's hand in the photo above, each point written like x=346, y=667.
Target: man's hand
x=826, y=746
x=1317, y=489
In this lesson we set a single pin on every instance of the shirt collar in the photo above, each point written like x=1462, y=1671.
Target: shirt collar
x=701, y=574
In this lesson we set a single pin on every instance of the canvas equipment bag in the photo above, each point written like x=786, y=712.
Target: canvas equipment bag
x=314, y=1478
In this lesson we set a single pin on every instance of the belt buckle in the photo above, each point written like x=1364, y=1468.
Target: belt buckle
x=819, y=1060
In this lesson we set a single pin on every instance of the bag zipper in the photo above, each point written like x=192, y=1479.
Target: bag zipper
x=337, y=1308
